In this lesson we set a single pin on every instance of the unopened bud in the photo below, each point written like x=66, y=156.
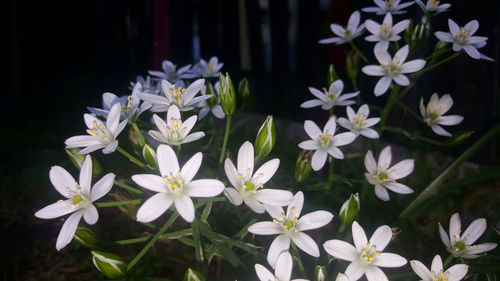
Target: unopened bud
x=266, y=138
x=227, y=94
x=244, y=89
x=149, y=155
x=193, y=275
x=111, y=265
x=85, y=236
x=349, y=209
x=332, y=74
x=303, y=166
x=135, y=140
x=77, y=160
x=351, y=64
x=320, y=273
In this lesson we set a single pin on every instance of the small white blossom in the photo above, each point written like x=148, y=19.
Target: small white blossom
x=388, y=6
x=283, y=270
x=210, y=69
x=147, y=84
x=433, y=6
x=433, y=114
x=392, y=69
x=352, y=30
x=100, y=135
x=248, y=186
x=290, y=228
x=174, y=186
x=385, y=32
x=171, y=73
x=455, y=273
x=328, y=100
x=206, y=107
x=174, y=131
x=171, y=94
x=462, y=38
x=384, y=177
x=359, y=123
x=366, y=255
x=325, y=142
x=461, y=245
x=79, y=199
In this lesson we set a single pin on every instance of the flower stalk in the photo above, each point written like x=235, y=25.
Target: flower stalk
x=226, y=137
x=131, y=157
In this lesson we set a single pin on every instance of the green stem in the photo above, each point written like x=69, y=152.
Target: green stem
x=130, y=157
x=358, y=51
x=413, y=136
x=144, y=250
x=331, y=174
x=226, y=137
x=119, y=203
x=128, y=187
x=144, y=239
x=413, y=113
x=448, y=261
x=299, y=261
x=206, y=212
x=142, y=140
x=393, y=98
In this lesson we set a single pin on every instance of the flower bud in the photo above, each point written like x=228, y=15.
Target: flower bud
x=349, y=209
x=77, y=160
x=303, y=166
x=320, y=273
x=111, y=265
x=351, y=63
x=149, y=155
x=244, y=92
x=135, y=140
x=193, y=275
x=227, y=95
x=85, y=236
x=332, y=74
x=342, y=277
x=266, y=138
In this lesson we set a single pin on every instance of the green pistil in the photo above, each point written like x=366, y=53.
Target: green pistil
x=383, y=176
x=77, y=199
x=288, y=224
x=433, y=116
x=249, y=186
x=460, y=245
x=347, y=32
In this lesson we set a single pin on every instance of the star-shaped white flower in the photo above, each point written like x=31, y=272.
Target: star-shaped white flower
x=359, y=123
x=325, y=142
x=290, y=228
x=283, y=270
x=367, y=256
x=249, y=186
x=388, y=6
x=147, y=84
x=131, y=105
x=171, y=73
x=209, y=105
x=455, y=273
x=462, y=38
x=461, y=245
x=174, y=185
x=392, y=69
x=385, y=32
x=432, y=6
x=352, y=30
x=171, y=94
x=79, y=199
x=100, y=135
x=210, y=69
x=384, y=177
x=174, y=131
x=433, y=114
x=328, y=100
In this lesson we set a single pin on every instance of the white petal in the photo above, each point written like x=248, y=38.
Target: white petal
x=341, y=250
x=86, y=175
x=314, y=220
x=384, y=159
x=401, y=80
x=337, y=29
x=373, y=70
x=153, y=207
x=382, y=55
x=474, y=231
x=444, y=236
x=297, y=204
x=110, y=147
x=189, y=124
x=369, y=133
x=81, y=141
x=400, y=26
x=481, y=248
x=274, y=197
x=382, y=86
x=284, y=267
x=90, y=215
x=167, y=160
x=255, y=205
x=309, y=145
x=68, y=230
x=458, y=271
x=354, y=271
x=160, y=124
x=454, y=29
x=218, y=112
x=90, y=149
x=412, y=66
x=402, y=53
x=342, y=122
x=449, y=120
x=193, y=137
x=246, y=159
x=421, y=270
x=61, y=180
x=205, y=188
x=55, y=210
x=318, y=159
x=372, y=26
x=331, y=40
x=358, y=236
x=344, y=138
x=381, y=237
x=440, y=131
x=311, y=103
x=191, y=167
x=114, y=117
x=374, y=273
x=443, y=36
x=306, y=243
x=312, y=130
x=389, y=260
x=317, y=93
x=151, y=182
x=266, y=171
x=265, y=228
x=185, y=208
x=102, y=187
x=233, y=196
x=370, y=164
x=280, y=244
x=437, y=264
x=263, y=273
x=274, y=211
x=331, y=125
x=455, y=226
x=382, y=193
x=193, y=89
x=402, y=169
x=231, y=172
x=472, y=26
x=398, y=187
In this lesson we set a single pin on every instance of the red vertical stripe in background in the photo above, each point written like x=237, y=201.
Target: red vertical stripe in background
x=161, y=32
x=339, y=13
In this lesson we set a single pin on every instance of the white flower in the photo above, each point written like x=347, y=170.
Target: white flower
x=437, y=273
x=290, y=227
x=101, y=136
x=146, y=84
x=359, y=122
x=461, y=245
x=433, y=114
x=433, y=6
x=79, y=199
x=392, y=69
x=462, y=38
x=174, y=185
x=382, y=176
x=385, y=32
x=366, y=257
x=210, y=69
x=174, y=131
x=327, y=100
x=206, y=107
x=342, y=277
x=352, y=30
x=388, y=6
x=172, y=94
x=283, y=270
x=325, y=142
x=171, y=73
x=249, y=186
x=131, y=105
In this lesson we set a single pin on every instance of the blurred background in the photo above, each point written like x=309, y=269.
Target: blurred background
x=62, y=55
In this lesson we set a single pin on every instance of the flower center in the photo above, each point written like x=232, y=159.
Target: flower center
x=174, y=182
x=383, y=176
x=288, y=222
x=433, y=116
x=325, y=138
x=176, y=93
x=385, y=31
x=369, y=253
x=440, y=276
x=392, y=68
x=248, y=185
x=359, y=122
x=460, y=246
x=347, y=32
x=175, y=129
x=432, y=4
x=101, y=132
x=464, y=34
x=77, y=199
x=389, y=3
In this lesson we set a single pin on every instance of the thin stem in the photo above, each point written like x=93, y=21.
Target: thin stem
x=206, y=212
x=130, y=157
x=226, y=136
x=413, y=113
x=448, y=261
x=144, y=250
x=331, y=174
x=119, y=203
x=142, y=140
x=299, y=261
x=175, y=234
x=393, y=98
x=128, y=187
x=358, y=51
x=412, y=136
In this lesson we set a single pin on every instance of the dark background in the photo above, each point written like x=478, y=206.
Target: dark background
x=62, y=55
